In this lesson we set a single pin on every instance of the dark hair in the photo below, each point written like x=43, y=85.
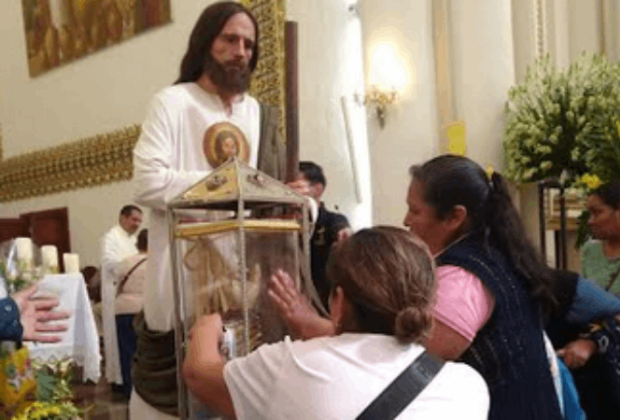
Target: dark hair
x=312, y=172
x=128, y=209
x=207, y=28
x=609, y=193
x=143, y=240
x=450, y=181
x=387, y=275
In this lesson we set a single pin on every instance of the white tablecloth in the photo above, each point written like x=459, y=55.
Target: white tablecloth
x=81, y=341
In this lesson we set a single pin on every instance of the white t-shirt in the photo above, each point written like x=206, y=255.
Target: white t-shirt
x=338, y=377
x=168, y=159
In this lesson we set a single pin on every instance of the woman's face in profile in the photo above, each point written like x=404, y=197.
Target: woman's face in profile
x=421, y=220
x=604, y=221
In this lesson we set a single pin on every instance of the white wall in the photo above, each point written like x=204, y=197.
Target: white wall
x=410, y=135
x=331, y=67
x=483, y=70
x=584, y=26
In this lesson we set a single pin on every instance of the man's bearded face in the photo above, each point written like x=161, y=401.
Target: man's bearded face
x=231, y=52
x=233, y=77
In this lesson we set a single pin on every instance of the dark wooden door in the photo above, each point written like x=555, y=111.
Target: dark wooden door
x=50, y=227
x=13, y=228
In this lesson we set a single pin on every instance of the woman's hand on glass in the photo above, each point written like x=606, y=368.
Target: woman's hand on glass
x=300, y=316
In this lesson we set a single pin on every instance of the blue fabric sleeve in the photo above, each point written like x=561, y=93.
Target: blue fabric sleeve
x=591, y=302
x=10, y=326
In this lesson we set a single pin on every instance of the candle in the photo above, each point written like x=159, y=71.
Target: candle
x=72, y=263
x=49, y=258
x=24, y=251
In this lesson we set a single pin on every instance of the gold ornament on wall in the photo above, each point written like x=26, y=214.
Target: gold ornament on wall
x=268, y=80
x=88, y=162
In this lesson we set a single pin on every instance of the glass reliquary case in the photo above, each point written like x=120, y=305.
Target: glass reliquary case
x=229, y=233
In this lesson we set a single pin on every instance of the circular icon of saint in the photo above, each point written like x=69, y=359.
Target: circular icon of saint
x=223, y=141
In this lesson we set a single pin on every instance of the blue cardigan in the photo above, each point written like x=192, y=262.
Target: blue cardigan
x=508, y=351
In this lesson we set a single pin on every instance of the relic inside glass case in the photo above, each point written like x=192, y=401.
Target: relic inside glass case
x=229, y=233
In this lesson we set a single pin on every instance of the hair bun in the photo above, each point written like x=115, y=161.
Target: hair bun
x=412, y=324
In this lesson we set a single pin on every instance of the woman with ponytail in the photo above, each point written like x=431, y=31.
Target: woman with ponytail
x=383, y=289
x=494, y=290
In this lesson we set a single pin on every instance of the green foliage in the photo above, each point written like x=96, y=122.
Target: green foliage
x=565, y=125
x=562, y=124
x=17, y=281
x=54, y=381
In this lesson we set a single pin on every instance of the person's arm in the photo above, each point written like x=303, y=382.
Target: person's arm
x=110, y=254
x=577, y=353
x=590, y=303
x=462, y=306
x=156, y=181
x=445, y=342
x=343, y=234
x=341, y=228
x=203, y=369
x=301, y=318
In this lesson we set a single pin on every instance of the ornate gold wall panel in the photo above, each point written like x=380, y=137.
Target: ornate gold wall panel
x=84, y=163
x=107, y=158
x=268, y=80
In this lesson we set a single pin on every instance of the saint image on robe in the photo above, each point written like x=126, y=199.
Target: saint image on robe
x=222, y=141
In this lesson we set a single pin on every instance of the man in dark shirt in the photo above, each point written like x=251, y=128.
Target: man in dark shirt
x=330, y=227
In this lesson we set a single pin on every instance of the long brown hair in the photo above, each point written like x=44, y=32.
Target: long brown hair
x=207, y=28
x=450, y=181
x=387, y=275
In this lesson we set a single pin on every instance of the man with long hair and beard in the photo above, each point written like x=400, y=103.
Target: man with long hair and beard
x=169, y=158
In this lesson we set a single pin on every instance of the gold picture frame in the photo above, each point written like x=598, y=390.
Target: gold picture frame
x=108, y=157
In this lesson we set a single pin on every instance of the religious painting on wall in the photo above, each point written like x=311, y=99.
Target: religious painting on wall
x=60, y=31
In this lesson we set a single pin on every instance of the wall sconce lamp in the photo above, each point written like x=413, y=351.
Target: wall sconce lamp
x=389, y=76
x=380, y=99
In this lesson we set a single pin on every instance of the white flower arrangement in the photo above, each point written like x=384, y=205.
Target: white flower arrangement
x=563, y=123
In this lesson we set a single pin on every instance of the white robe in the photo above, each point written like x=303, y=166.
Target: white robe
x=116, y=245
x=168, y=159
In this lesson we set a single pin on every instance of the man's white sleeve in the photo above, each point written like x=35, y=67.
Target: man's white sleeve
x=155, y=180
x=111, y=254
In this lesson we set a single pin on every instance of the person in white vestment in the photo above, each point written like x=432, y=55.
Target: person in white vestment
x=182, y=131
x=117, y=244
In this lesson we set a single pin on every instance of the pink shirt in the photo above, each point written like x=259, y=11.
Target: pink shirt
x=463, y=302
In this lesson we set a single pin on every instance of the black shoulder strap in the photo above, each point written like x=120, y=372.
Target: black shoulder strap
x=119, y=289
x=404, y=389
